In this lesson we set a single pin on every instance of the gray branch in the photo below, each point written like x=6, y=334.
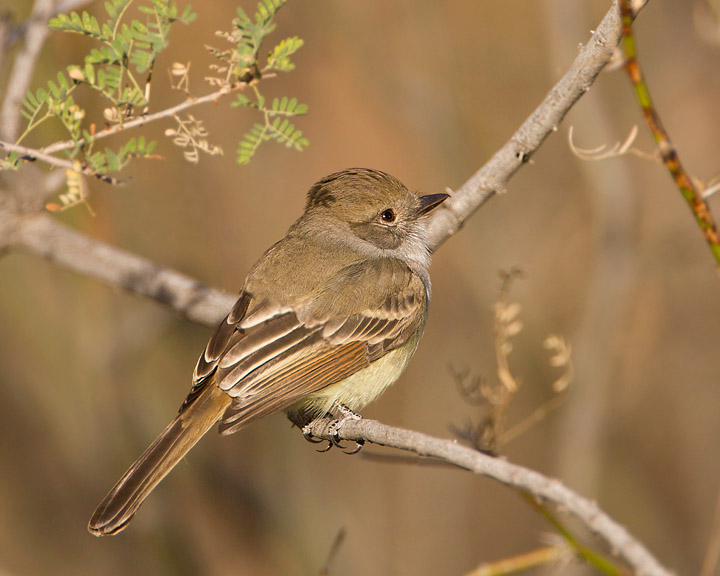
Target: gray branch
x=541, y=487
x=44, y=236
x=492, y=178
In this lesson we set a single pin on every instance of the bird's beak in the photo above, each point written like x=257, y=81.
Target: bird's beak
x=427, y=203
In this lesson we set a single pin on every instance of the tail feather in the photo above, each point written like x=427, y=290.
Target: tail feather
x=121, y=503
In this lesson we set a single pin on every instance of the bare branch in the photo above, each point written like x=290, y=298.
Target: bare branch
x=541, y=487
x=44, y=236
x=33, y=154
x=494, y=175
x=24, y=68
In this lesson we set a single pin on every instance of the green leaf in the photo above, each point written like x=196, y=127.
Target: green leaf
x=287, y=107
x=89, y=73
x=250, y=143
x=110, y=9
x=188, y=15
x=249, y=34
x=114, y=163
x=279, y=57
x=63, y=83
x=30, y=97
x=285, y=133
x=10, y=162
x=97, y=162
x=104, y=55
x=54, y=90
x=241, y=100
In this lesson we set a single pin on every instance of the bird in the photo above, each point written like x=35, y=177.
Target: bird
x=326, y=320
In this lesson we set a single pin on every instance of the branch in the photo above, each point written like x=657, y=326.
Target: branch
x=44, y=236
x=668, y=152
x=33, y=154
x=492, y=178
x=541, y=487
x=46, y=154
x=24, y=68
x=142, y=120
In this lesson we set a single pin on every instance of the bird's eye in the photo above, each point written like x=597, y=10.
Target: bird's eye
x=388, y=215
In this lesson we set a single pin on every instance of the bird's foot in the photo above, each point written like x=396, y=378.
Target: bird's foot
x=333, y=429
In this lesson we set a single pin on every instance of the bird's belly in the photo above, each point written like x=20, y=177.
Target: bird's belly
x=363, y=387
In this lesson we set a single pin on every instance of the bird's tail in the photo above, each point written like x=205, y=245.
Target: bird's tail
x=121, y=503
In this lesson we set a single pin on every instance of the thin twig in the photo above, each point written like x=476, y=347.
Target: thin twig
x=533, y=559
x=537, y=416
x=602, y=152
x=46, y=154
x=668, y=152
x=332, y=553
x=142, y=120
x=33, y=154
x=620, y=541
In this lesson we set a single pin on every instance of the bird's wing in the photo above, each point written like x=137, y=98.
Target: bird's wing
x=268, y=356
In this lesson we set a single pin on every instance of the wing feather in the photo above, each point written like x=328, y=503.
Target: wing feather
x=267, y=356
x=294, y=382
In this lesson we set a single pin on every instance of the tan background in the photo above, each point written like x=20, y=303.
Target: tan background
x=426, y=91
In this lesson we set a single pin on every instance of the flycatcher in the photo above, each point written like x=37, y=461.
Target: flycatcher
x=327, y=319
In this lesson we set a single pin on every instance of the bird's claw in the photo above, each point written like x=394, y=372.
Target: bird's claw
x=329, y=445
x=358, y=446
x=333, y=431
x=308, y=435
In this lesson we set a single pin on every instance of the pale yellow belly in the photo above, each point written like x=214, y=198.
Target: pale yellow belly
x=362, y=387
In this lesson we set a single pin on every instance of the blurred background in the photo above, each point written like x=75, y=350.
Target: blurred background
x=613, y=261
